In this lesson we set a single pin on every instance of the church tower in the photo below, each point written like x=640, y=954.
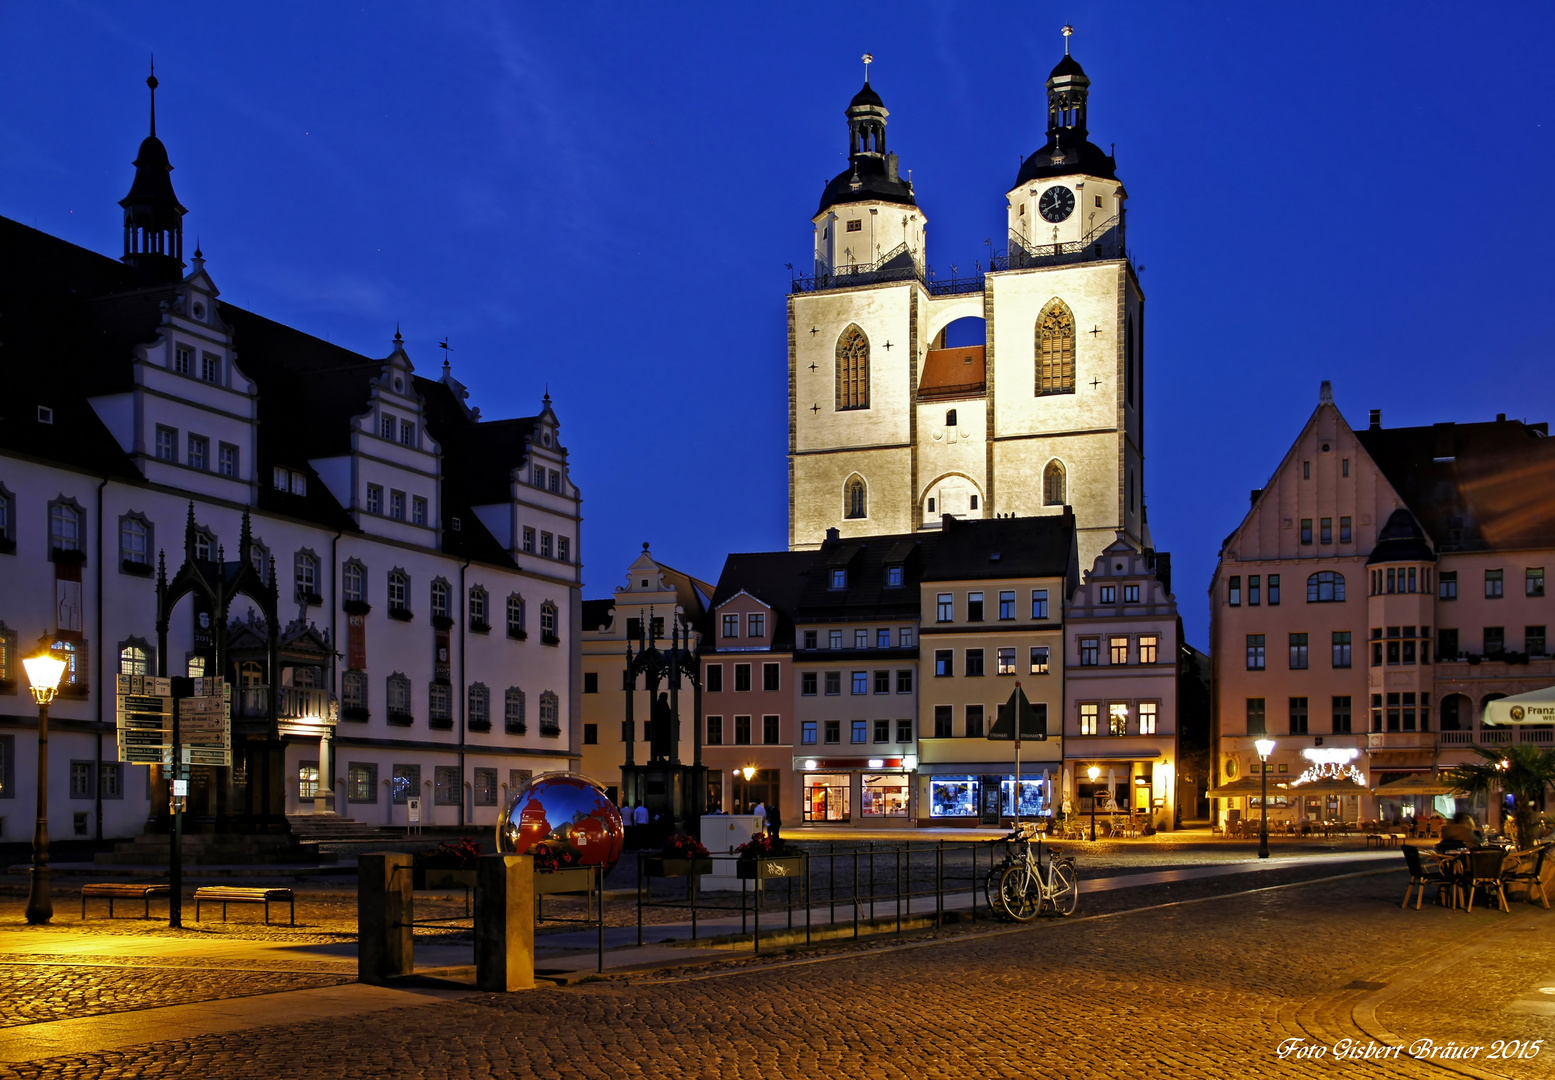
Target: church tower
x=891, y=429
x=153, y=216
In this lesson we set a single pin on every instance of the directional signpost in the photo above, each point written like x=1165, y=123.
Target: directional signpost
x=193, y=726
x=145, y=719
x=1018, y=720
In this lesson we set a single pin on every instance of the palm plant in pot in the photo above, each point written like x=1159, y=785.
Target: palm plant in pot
x=1524, y=772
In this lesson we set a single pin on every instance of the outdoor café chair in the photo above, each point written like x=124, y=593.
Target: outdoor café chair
x=1482, y=867
x=1421, y=876
x=1532, y=872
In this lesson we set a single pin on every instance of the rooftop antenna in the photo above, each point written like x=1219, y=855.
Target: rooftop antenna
x=869, y=58
x=1066, y=32
x=151, y=81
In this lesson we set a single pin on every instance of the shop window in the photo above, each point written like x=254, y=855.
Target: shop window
x=953, y=796
x=826, y=797
x=885, y=795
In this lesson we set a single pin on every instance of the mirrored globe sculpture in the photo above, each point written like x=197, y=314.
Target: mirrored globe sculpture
x=568, y=812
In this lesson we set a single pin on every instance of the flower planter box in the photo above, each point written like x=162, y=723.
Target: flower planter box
x=678, y=867
x=433, y=878
x=771, y=866
x=568, y=879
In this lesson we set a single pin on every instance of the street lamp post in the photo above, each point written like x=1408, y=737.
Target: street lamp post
x=1265, y=748
x=43, y=674
x=1093, y=772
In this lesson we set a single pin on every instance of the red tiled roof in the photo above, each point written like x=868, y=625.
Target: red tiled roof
x=954, y=373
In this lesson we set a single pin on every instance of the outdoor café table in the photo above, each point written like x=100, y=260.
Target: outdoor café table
x=1450, y=865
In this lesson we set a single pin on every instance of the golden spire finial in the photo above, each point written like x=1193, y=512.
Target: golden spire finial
x=1067, y=30
x=869, y=58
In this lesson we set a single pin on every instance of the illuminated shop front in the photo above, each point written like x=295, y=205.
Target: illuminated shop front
x=867, y=792
x=972, y=798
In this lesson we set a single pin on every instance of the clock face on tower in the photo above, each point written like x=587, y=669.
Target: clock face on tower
x=1056, y=203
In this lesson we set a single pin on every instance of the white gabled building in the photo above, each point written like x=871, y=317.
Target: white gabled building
x=422, y=564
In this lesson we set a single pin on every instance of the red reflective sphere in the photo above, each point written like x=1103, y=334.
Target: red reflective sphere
x=568, y=812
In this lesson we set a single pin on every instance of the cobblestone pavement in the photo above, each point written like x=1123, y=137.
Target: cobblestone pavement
x=36, y=991
x=1211, y=988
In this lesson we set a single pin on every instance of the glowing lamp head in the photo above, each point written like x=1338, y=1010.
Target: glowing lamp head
x=748, y=772
x=1265, y=748
x=44, y=672
x=1093, y=772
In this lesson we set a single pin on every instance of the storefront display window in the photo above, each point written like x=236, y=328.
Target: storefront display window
x=826, y=797
x=1031, y=801
x=886, y=795
x=953, y=796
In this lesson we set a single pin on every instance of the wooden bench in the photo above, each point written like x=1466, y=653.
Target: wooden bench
x=116, y=891
x=231, y=894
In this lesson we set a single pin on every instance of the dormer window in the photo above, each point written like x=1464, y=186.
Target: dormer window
x=1109, y=594
x=893, y=577
x=839, y=579
x=286, y=479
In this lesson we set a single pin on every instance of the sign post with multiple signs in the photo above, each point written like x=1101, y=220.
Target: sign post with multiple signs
x=176, y=723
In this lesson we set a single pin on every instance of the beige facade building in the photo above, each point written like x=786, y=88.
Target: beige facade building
x=1384, y=586
x=1121, y=682
x=992, y=606
x=890, y=430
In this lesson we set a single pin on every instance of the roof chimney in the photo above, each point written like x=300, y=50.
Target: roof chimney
x=1500, y=417
x=832, y=535
x=1252, y=497
x=1444, y=449
x=1376, y=420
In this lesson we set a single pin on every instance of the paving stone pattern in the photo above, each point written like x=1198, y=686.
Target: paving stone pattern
x=1203, y=990
x=35, y=992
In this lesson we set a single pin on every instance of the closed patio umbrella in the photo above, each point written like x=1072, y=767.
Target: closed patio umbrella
x=1331, y=786
x=1234, y=789
x=1534, y=707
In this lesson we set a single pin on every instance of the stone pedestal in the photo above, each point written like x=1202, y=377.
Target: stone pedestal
x=505, y=923
x=385, y=909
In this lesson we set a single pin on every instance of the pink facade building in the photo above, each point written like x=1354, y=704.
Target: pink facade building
x=1384, y=585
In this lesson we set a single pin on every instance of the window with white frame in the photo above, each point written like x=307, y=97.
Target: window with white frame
x=485, y=793
x=397, y=696
x=548, y=622
x=555, y=482
x=7, y=518
x=134, y=541
x=210, y=367
x=397, y=505
x=529, y=540
x=135, y=658
x=515, y=615
x=1039, y=659
x=440, y=704
x=439, y=599
x=199, y=452
x=545, y=545
x=183, y=359
x=353, y=694
x=418, y=511
x=353, y=581
x=550, y=714
x=375, y=498
x=407, y=433
x=1147, y=717
x=399, y=590
x=478, y=717
x=386, y=426
x=1089, y=712
x=563, y=549
x=204, y=545
x=1039, y=604
x=305, y=573
x=478, y=607
x=513, y=711
x=66, y=524
x=227, y=460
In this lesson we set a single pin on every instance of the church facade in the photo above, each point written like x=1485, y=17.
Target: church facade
x=890, y=430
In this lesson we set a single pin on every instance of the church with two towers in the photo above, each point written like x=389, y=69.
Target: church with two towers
x=890, y=430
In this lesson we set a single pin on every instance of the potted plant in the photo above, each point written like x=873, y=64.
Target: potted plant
x=681, y=856
x=448, y=866
x=764, y=856
x=1522, y=771
x=557, y=869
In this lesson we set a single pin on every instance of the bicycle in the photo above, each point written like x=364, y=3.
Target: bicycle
x=1026, y=886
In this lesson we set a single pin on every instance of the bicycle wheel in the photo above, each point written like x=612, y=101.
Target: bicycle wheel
x=1066, y=889
x=1020, y=892
x=991, y=890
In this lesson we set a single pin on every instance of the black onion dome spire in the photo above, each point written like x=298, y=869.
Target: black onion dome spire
x=872, y=174
x=1067, y=150
x=153, y=216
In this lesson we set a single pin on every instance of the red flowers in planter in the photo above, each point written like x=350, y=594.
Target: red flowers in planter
x=681, y=846
x=549, y=857
x=460, y=856
x=763, y=845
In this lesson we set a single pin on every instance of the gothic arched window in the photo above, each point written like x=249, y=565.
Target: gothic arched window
x=853, y=369
x=856, y=504
x=1053, y=484
x=1055, y=349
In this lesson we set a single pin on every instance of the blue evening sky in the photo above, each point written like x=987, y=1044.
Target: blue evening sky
x=602, y=197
